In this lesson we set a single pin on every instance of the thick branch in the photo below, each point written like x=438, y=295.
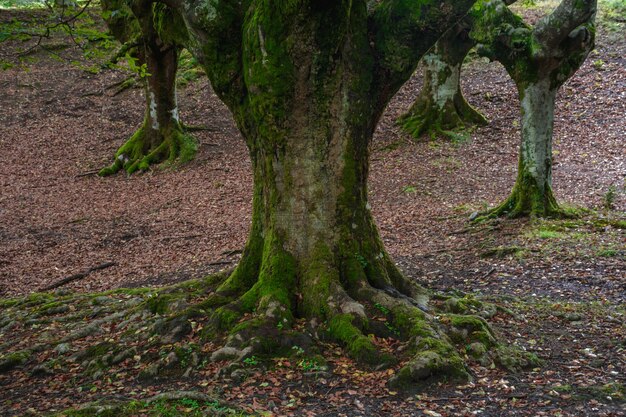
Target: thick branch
x=401, y=31
x=215, y=30
x=553, y=29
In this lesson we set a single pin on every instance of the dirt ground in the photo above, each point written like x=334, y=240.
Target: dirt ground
x=58, y=124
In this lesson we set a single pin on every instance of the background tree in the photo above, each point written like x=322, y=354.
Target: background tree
x=154, y=34
x=539, y=59
x=440, y=108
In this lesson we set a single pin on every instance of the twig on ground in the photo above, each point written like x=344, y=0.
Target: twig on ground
x=86, y=174
x=78, y=276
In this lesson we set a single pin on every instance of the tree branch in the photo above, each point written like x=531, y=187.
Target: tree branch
x=555, y=28
x=402, y=31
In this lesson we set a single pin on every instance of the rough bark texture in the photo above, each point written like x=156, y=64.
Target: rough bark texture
x=156, y=29
x=307, y=82
x=441, y=108
x=539, y=60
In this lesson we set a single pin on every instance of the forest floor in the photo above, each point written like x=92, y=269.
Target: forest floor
x=563, y=282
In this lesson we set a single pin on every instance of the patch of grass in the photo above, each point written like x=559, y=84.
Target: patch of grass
x=608, y=200
x=185, y=407
x=607, y=253
x=409, y=189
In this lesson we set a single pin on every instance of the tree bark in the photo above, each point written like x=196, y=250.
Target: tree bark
x=161, y=136
x=532, y=193
x=441, y=108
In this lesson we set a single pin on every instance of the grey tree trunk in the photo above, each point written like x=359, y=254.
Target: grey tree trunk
x=307, y=82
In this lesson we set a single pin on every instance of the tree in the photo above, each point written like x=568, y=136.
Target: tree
x=441, y=108
x=307, y=82
x=158, y=34
x=539, y=59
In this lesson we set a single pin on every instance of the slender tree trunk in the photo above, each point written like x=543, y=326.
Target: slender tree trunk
x=532, y=193
x=441, y=108
x=161, y=136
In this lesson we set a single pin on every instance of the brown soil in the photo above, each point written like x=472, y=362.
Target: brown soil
x=59, y=122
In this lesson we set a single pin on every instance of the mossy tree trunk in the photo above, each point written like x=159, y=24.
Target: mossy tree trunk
x=539, y=60
x=160, y=137
x=441, y=108
x=307, y=82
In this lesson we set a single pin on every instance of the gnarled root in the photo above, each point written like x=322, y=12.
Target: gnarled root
x=173, y=146
x=527, y=202
x=170, y=332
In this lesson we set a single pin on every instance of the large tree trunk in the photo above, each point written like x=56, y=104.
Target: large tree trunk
x=441, y=108
x=161, y=136
x=309, y=109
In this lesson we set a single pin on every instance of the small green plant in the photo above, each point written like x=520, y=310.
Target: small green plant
x=409, y=189
x=607, y=252
x=381, y=308
x=548, y=234
x=361, y=259
x=309, y=365
x=608, y=201
x=189, y=403
x=251, y=361
x=140, y=70
x=392, y=329
x=298, y=350
x=598, y=64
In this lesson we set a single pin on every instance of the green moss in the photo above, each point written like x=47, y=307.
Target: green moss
x=276, y=283
x=469, y=328
x=49, y=308
x=514, y=359
x=170, y=25
x=9, y=302
x=11, y=360
x=359, y=346
x=428, y=366
x=98, y=350
x=411, y=322
x=159, y=303
x=37, y=298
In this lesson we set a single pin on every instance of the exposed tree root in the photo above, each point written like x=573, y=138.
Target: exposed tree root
x=172, y=146
x=173, y=331
x=528, y=203
x=454, y=120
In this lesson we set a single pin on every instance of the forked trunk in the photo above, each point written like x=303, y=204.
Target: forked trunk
x=314, y=79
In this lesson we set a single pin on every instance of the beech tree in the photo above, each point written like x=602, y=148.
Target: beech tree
x=441, y=108
x=539, y=59
x=307, y=82
x=156, y=34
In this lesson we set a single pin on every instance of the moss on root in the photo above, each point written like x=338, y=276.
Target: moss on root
x=359, y=346
x=173, y=147
x=11, y=360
